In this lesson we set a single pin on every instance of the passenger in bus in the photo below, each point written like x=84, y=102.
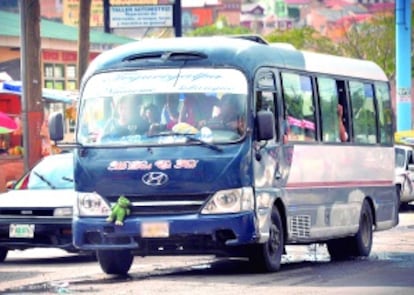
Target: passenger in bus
x=343, y=135
x=169, y=113
x=197, y=109
x=150, y=114
x=125, y=121
x=230, y=116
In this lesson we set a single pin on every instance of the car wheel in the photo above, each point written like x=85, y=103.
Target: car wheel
x=400, y=204
x=267, y=257
x=115, y=262
x=357, y=245
x=3, y=253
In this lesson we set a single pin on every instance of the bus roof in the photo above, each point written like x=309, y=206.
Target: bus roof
x=245, y=54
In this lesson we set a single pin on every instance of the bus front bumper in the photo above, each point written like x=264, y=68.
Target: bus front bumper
x=184, y=234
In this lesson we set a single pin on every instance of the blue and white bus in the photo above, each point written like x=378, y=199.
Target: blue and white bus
x=231, y=147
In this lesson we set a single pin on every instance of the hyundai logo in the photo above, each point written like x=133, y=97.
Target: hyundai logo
x=155, y=178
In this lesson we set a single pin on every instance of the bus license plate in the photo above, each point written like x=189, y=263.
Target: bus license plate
x=155, y=230
x=21, y=230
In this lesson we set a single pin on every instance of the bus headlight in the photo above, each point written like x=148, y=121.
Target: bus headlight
x=91, y=204
x=230, y=201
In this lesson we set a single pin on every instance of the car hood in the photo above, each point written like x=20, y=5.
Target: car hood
x=38, y=198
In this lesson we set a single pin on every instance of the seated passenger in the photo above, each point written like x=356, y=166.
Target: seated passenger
x=343, y=135
x=231, y=114
x=169, y=113
x=197, y=109
x=150, y=114
x=126, y=120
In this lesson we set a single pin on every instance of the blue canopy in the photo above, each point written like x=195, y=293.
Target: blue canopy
x=51, y=95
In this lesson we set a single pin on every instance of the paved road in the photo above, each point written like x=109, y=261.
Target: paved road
x=305, y=270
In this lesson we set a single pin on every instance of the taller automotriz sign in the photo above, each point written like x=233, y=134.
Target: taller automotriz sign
x=141, y=16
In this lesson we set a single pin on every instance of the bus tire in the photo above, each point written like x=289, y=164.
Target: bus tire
x=358, y=245
x=362, y=241
x=266, y=257
x=3, y=253
x=115, y=262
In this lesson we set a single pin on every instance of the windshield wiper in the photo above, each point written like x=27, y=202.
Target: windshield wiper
x=67, y=179
x=204, y=143
x=44, y=180
x=190, y=138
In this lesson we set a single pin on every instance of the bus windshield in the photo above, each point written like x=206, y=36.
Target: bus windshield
x=163, y=106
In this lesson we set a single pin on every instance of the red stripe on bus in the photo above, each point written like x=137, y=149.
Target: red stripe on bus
x=340, y=184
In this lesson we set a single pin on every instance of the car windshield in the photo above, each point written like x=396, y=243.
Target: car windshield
x=52, y=172
x=163, y=106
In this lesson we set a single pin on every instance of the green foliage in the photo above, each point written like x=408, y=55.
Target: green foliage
x=305, y=38
x=219, y=28
x=374, y=40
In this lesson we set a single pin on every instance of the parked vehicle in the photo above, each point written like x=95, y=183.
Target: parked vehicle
x=37, y=210
x=404, y=173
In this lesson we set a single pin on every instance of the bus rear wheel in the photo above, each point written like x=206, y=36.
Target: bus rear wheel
x=356, y=246
x=267, y=257
x=115, y=262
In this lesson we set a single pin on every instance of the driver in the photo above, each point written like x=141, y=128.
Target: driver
x=126, y=121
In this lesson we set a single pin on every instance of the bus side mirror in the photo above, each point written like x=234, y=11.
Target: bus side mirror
x=56, y=126
x=265, y=122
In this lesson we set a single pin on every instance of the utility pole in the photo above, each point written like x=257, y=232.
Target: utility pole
x=32, y=105
x=83, y=39
x=177, y=18
x=403, y=64
x=107, y=28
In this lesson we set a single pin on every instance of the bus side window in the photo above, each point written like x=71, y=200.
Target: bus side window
x=299, y=106
x=333, y=107
x=363, y=112
x=343, y=123
x=385, y=114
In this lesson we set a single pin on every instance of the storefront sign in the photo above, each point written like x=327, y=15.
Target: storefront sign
x=132, y=2
x=141, y=16
x=71, y=13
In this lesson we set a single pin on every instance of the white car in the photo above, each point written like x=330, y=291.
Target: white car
x=37, y=211
x=404, y=173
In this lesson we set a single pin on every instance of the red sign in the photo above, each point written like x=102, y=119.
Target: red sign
x=50, y=55
x=69, y=56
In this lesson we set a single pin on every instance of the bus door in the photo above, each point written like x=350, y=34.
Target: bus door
x=267, y=155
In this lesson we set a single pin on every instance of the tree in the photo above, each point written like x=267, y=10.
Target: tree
x=219, y=28
x=359, y=42
x=305, y=38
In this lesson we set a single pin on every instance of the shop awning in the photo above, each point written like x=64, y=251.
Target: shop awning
x=51, y=95
x=404, y=137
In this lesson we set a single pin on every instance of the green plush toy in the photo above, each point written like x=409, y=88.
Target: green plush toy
x=119, y=211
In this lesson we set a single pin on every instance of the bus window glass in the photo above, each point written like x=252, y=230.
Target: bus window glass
x=384, y=112
x=163, y=106
x=299, y=105
x=328, y=96
x=363, y=112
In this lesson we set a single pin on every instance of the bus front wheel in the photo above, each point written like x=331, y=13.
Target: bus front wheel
x=267, y=257
x=358, y=245
x=115, y=262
